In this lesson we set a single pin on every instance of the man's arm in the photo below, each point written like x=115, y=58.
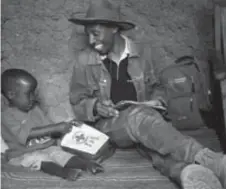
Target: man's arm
x=82, y=96
x=155, y=88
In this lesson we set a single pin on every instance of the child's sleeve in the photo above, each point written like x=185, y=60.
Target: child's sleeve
x=18, y=128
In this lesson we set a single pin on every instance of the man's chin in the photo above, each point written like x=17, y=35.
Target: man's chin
x=101, y=51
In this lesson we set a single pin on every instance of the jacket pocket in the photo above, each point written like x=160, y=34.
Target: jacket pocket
x=93, y=77
x=99, y=81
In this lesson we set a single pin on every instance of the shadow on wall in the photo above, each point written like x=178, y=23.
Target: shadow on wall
x=35, y=37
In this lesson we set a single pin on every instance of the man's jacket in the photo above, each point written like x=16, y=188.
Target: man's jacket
x=91, y=80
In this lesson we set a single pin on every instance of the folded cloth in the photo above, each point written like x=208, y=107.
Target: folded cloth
x=4, y=146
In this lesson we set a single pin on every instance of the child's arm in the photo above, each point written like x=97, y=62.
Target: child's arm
x=57, y=128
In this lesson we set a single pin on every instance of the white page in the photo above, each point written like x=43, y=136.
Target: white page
x=84, y=138
x=146, y=103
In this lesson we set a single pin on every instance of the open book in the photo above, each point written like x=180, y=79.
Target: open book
x=126, y=103
x=84, y=138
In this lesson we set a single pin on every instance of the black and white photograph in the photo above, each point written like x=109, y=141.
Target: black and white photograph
x=110, y=94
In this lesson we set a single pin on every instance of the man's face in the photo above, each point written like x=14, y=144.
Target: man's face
x=101, y=37
x=24, y=96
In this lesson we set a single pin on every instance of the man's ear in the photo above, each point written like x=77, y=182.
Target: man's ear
x=11, y=94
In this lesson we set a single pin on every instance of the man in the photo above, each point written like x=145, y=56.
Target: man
x=112, y=69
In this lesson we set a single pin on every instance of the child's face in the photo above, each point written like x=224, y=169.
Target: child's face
x=24, y=98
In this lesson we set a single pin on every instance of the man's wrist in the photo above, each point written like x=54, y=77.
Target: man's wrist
x=162, y=102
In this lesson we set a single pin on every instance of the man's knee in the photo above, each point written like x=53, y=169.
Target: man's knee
x=142, y=119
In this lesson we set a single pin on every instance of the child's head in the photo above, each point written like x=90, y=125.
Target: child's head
x=18, y=86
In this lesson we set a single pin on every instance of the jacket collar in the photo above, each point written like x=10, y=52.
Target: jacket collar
x=130, y=49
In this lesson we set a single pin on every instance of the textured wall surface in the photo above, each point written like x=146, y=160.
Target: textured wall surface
x=223, y=88
x=35, y=37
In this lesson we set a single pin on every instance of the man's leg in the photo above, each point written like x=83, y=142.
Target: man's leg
x=188, y=176
x=119, y=127
x=166, y=165
x=148, y=127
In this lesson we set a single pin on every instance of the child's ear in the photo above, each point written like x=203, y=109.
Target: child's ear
x=11, y=94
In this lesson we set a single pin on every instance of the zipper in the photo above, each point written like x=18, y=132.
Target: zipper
x=117, y=69
x=117, y=73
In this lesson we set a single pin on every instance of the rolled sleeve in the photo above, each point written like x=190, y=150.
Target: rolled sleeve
x=154, y=87
x=158, y=93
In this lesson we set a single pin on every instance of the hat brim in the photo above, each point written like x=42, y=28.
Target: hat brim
x=89, y=21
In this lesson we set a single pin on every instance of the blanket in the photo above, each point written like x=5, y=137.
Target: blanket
x=125, y=170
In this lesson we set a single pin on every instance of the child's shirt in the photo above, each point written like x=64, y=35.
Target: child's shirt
x=21, y=123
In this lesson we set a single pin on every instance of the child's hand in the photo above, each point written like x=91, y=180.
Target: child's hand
x=64, y=127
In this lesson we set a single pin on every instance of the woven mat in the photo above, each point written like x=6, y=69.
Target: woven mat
x=125, y=170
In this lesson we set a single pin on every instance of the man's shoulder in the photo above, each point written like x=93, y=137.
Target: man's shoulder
x=86, y=56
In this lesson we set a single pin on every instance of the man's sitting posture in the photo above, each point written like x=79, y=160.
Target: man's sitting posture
x=113, y=69
x=29, y=133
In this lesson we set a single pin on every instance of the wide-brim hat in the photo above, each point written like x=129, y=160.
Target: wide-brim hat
x=103, y=12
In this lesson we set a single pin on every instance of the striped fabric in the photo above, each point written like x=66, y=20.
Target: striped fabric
x=125, y=170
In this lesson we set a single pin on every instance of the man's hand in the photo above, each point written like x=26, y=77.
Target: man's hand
x=105, y=109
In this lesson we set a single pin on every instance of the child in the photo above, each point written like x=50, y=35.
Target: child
x=30, y=135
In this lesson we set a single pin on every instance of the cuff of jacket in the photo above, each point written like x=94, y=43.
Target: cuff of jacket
x=162, y=101
x=90, y=113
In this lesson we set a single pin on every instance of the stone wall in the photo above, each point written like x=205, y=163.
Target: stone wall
x=35, y=37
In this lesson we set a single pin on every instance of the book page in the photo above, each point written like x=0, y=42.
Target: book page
x=120, y=104
x=84, y=138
